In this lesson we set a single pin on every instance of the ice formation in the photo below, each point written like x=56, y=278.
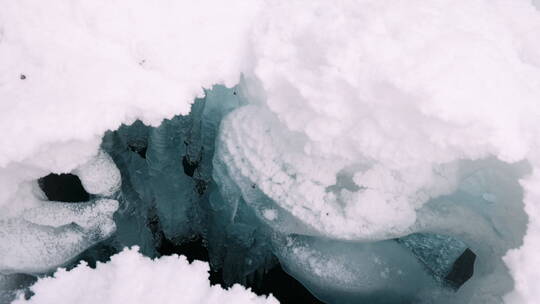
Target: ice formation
x=39, y=235
x=132, y=278
x=378, y=150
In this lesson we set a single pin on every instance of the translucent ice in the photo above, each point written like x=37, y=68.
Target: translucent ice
x=347, y=272
x=471, y=216
x=185, y=179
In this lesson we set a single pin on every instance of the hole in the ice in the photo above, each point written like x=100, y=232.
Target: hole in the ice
x=63, y=188
x=22, y=77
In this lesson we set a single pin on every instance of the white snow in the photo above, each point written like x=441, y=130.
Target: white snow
x=132, y=278
x=99, y=175
x=393, y=94
x=524, y=262
x=393, y=102
x=91, y=65
x=390, y=93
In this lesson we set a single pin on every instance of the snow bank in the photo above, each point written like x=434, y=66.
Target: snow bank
x=89, y=66
x=132, y=278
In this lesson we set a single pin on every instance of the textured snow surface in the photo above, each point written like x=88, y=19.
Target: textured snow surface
x=89, y=66
x=132, y=278
x=361, y=110
x=389, y=95
x=358, y=88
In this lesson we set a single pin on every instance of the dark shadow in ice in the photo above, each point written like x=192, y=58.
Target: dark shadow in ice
x=462, y=270
x=63, y=188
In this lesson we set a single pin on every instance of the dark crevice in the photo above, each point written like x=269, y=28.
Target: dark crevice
x=189, y=165
x=192, y=249
x=462, y=270
x=284, y=287
x=274, y=281
x=63, y=188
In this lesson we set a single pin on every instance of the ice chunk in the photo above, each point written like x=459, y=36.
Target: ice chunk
x=400, y=89
x=41, y=235
x=471, y=212
x=439, y=254
x=40, y=242
x=348, y=272
x=99, y=175
x=275, y=169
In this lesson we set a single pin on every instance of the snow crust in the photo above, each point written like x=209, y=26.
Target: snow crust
x=133, y=278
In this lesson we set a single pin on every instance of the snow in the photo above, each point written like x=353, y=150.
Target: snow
x=37, y=235
x=99, y=175
x=390, y=95
x=524, y=262
x=393, y=95
x=394, y=103
x=132, y=278
x=89, y=66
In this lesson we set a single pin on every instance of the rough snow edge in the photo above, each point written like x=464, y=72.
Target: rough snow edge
x=133, y=278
